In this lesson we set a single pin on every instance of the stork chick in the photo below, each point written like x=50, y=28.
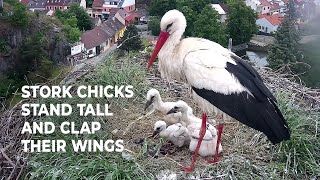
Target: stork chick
x=186, y=117
x=154, y=98
x=175, y=133
x=209, y=140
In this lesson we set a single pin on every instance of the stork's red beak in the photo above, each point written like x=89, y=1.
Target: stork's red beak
x=161, y=40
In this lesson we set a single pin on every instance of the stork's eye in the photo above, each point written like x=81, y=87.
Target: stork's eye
x=175, y=107
x=158, y=128
x=169, y=25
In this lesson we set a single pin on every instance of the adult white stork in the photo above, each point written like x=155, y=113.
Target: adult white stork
x=217, y=77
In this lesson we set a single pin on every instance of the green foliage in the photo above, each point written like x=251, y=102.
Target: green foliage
x=3, y=46
x=20, y=17
x=72, y=33
x=191, y=17
x=191, y=9
x=33, y=60
x=241, y=22
x=83, y=19
x=131, y=39
x=196, y=6
x=292, y=12
x=207, y=26
x=6, y=86
x=154, y=25
x=70, y=26
x=311, y=57
x=300, y=156
x=160, y=7
x=89, y=3
x=284, y=50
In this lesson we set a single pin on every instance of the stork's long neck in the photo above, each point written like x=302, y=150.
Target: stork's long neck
x=184, y=117
x=170, y=62
x=158, y=102
x=173, y=40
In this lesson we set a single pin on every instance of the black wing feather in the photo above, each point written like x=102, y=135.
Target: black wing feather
x=259, y=111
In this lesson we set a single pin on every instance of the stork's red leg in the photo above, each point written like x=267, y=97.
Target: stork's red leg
x=202, y=133
x=216, y=156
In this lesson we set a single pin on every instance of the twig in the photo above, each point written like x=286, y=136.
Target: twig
x=138, y=119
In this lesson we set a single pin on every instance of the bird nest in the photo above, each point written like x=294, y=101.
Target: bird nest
x=243, y=147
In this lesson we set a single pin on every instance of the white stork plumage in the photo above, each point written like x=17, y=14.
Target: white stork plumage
x=154, y=98
x=218, y=78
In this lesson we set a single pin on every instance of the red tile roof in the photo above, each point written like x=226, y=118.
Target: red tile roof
x=275, y=6
x=265, y=3
x=94, y=37
x=97, y=3
x=274, y=19
x=25, y=2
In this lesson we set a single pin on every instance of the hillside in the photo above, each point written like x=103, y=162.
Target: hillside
x=247, y=153
x=31, y=47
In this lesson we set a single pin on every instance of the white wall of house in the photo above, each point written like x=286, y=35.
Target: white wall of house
x=128, y=3
x=77, y=48
x=265, y=9
x=265, y=26
x=253, y=4
x=83, y=4
x=223, y=18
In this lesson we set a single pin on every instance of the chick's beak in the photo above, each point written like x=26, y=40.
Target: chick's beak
x=172, y=111
x=148, y=103
x=155, y=133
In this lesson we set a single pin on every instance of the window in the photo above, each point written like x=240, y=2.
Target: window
x=50, y=7
x=115, y=3
x=259, y=27
x=264, y=8
x=55, y=7
x=60, y=7
x=262, y=28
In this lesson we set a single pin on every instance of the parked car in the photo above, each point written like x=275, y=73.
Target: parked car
x=144, y=19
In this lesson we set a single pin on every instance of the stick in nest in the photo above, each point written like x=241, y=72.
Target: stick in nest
x=137, y=120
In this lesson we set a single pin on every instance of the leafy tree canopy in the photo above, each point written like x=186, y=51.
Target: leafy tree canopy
x=83, y=19
x=207, y=26
x=20, y=17
x=154, y=25
x=160, y=7
x=241, y=22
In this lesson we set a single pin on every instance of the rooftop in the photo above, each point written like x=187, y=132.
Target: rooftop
x=274, y=19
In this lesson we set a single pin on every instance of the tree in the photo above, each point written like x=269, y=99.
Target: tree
x=131, y=39
x=241, y=22
x=84, y=22
x=191, y=17
x=83, y=19
x=191, y=9
x=196, y=6
x=285, y=48
x=160, y=7
x=154, y=25
x=70, y=26
x=72, y=33
x=20, y=17
x=207, y=26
